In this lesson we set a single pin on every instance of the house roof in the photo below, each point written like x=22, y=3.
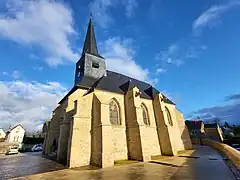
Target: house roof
x=118, y=83
x=194, y=125
x=211, y=125
x=15, y=127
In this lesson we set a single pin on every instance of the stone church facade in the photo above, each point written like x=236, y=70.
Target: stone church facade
x=108, y=116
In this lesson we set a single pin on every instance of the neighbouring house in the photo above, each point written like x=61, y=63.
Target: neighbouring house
x=108, y=116
x=213, y=131
x=15, y=134
x=195, y=128
x=227, y=132
x=2, y=134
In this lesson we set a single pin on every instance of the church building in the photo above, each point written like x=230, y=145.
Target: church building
x=108, y=116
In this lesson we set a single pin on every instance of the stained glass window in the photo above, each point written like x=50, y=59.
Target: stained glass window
x=169, y=116
x=114, y=113
x=145, y=115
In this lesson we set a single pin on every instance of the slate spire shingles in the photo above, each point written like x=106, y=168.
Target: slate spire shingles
x=90, y=43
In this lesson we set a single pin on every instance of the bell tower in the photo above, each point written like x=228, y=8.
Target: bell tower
x=91, y=64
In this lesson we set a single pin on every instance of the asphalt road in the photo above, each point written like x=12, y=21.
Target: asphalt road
x=24, y=164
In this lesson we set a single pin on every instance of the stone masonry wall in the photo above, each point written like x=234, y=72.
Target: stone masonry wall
x=114, y=145
x=183, y=130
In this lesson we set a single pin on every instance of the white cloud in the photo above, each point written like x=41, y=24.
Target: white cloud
x=119, y=55
x=5, y=73
x=38, y=68
x=180, y=51
x=212, y=15
x=130, y=6
x=16, y=74
x=45, y=23
x=100, y=9
x=28, y=103
x=33, y=56
x=160, y=70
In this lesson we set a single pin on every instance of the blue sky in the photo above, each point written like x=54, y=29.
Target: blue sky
x=189, y=51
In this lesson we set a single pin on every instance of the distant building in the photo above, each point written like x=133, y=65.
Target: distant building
x=15, y=134
x=2, y=134
x=195, y=128
x=213, y=131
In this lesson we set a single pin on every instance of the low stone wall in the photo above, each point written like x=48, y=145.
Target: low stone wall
x=231, y=153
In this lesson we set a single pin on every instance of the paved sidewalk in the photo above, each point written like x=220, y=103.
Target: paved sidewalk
x=207, y=164
x=202, y=164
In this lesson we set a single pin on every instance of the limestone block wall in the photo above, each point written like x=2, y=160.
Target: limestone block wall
x=132, y=127
x=183, y=131
x=68, y=110
x=63, y=142
x=164, y=137
x=96, y=134
x=79, y=144
x=174, y=131
x=114, y=145
x=142, y=139
x=149, y=133
x=54, y=129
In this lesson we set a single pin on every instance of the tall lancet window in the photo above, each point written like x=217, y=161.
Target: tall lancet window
x=145, y=115
x=114, y=115
x=169, y=117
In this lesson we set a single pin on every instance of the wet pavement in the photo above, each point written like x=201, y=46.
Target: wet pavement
x=202, y=164
x=24, y=164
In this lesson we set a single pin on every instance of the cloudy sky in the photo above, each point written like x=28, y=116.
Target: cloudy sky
x=189, y=50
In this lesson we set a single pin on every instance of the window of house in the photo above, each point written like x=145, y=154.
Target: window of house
x=145, y=115
x=114, y=115
x=169, y=116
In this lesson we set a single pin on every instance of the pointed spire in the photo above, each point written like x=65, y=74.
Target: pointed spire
x=90, y=45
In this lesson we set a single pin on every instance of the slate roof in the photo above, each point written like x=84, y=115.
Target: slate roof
x=90, y=44
x=211, y=125
x=115, y=82
x=194, y=125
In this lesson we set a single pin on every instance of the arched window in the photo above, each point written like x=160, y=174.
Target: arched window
x=114, y=114
x=145, y=115
x=169, y=116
